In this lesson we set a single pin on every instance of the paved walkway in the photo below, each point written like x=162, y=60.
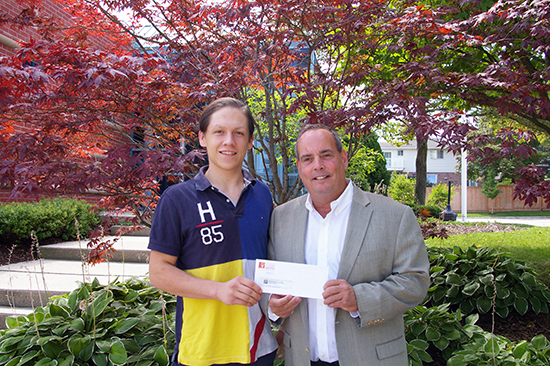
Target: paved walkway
x=524, y=220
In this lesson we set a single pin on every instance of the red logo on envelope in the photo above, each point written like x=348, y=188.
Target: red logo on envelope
x=261, y=265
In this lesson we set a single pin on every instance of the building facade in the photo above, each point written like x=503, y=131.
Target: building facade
x=442, y=166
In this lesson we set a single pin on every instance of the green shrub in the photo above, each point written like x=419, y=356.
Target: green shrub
x=493, y=350
x=437, y=328
x=427, y=210
x=477, y=279
x=48, y=218
x=119, y=324
x=439, y=196
x=402, y=189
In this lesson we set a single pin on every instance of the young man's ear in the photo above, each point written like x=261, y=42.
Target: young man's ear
x=201, y=139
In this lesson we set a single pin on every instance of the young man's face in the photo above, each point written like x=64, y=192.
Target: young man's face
x=321, y=167
x=226, y=139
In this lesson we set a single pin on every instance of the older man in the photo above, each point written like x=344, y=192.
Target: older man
x=373, y=246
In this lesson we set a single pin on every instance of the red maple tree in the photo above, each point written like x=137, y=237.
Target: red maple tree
x=118, y=121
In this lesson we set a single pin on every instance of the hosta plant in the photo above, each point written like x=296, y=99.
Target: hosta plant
x=127, y=323
x=493, y=350
x=438, y=328
x=476, y=279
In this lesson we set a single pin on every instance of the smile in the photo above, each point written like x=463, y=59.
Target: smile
x=321, y=177
x=228, y=153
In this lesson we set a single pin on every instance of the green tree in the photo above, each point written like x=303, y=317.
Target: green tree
x=402, y=189
x=490, y=187
x=367, y=167
x=439, y=196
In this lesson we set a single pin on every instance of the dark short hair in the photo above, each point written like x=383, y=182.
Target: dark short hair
x=310, y=127
x=220, y=103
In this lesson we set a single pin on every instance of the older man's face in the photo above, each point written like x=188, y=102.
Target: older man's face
x=321, y=167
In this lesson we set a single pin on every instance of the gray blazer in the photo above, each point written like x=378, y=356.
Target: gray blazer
x=385, y=260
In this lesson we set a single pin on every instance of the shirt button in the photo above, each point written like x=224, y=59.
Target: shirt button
x=227, y=200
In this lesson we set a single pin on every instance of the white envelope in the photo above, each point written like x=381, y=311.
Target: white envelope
x=285, y=278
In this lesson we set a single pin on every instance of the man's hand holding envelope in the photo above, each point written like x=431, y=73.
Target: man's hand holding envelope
x=288, y=283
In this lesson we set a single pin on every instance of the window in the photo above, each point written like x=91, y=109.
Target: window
x=432, y=178
x=399, y=152
x=387, y=156
x=437, y=154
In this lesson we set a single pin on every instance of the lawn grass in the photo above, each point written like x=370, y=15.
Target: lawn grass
x=531, y=246
x=508, y=214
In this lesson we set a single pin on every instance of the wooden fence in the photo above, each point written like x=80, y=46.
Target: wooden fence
x=477, y=202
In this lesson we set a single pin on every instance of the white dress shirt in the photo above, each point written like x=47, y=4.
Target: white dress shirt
x=323, y=247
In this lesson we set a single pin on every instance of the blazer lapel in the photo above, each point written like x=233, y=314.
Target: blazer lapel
x=298, y=225
x=358, y=223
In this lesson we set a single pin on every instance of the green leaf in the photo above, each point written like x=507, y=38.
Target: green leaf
x=161, y=356
x=13, y=362
x=46, y=362
x=100, y=359
x=52, y=349
x=539, y=342
x=118, y=354
x=503, y=312
x=65, y=361
x=101, y=301
x=467, y=306
x=78, y=324
x=520, y=349
x=483, y=305
x=442, y=343
x=87, y=351
x=535, y=304
x=418, y=328
x=453, y=291
x=487, y=280
x=126, y=324
x=28, y=356
x=432, y=334
x=529, y=279
x=419, y=344
x=492, y=347
x=521, y=305
x=13, y=321
x=453, y=279
x=470, y=288
x=502, y=292
x=59, y=311
x=424, y=356
x=452, y=335
x=103, y=345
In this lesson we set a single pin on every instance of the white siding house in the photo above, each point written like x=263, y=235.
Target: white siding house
x=441, y=165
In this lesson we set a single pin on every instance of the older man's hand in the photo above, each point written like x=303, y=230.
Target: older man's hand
x=283, y=306
x=340, y=294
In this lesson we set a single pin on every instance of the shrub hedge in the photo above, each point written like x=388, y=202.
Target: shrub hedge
x=48, y=218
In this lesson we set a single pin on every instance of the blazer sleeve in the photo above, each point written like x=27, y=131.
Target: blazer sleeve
x=405, y=267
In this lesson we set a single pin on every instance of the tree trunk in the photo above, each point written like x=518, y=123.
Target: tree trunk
x=421, y=170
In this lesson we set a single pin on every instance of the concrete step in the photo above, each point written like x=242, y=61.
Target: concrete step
x=128, y=249
x=27, y=285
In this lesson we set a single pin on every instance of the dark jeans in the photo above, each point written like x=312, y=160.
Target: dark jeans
x=322, y=363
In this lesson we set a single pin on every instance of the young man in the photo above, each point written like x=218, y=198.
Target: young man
x=206, y=234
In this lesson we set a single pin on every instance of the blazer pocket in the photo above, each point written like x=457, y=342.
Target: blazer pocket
x=391, y=348
x=371, y=256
